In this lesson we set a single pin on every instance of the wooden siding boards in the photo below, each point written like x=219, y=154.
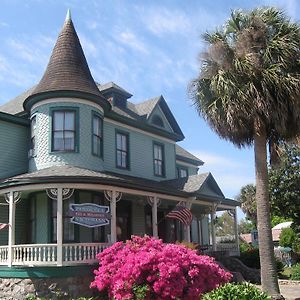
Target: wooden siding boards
x=83, y=158
x=140, y=152
x=138, y=219
x=14, y=141
x=43, y=213
x=4, y=219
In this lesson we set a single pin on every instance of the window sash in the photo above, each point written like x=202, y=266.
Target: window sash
x=64, y=131
x=97, y=135
x=158, y=160
x=122, y=150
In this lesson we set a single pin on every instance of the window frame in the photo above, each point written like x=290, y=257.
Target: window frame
x=127, y=151
x=33, y=135
x=179, y=169
x=65, y=109
x=162, y=160
x=97, y=115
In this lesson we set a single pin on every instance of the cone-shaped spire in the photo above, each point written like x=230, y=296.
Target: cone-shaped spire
x=67, y=69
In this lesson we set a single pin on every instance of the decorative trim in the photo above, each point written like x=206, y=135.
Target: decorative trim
x=108, y=195
x=16, y=196
x=150, y=201
x=14, y=119
x=66, y=192
x=61, y=101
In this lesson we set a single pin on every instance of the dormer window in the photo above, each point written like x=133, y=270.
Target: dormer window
x=157, y=120
x=64, y=130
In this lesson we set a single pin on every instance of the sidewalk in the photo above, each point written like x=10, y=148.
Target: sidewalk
x=289, y=291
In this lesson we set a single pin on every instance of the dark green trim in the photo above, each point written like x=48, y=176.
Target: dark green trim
x=14, y=119
x=77, y=128
x=96, y=114
x=154, y=143
x=144, y=126
x=47, y=272
x=31, y=100
x=125, y=133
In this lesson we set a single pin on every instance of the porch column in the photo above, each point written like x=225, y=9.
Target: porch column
x=236, y=231
x=213, y=232
x=113, y=197
x=11, y=227
x=154, y=202
x=59, y=227
x=187, y=228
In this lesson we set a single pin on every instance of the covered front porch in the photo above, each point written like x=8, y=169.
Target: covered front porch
x=40, y=231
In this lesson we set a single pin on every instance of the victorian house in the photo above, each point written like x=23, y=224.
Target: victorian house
x=82, y=167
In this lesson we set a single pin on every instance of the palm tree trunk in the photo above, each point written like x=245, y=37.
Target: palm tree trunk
x=266, y=248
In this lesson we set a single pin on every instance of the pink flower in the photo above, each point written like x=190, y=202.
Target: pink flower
x=170, y=271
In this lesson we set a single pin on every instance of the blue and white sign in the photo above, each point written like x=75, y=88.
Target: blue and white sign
x=89, y=214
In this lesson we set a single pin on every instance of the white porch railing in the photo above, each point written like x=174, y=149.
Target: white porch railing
x=46, y=254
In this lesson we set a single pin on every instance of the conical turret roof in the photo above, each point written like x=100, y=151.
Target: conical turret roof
x=67, y=69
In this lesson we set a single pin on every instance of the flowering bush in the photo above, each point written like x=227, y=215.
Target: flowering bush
x=160, y=271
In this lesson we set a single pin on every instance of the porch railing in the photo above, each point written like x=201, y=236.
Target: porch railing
x=46, y=254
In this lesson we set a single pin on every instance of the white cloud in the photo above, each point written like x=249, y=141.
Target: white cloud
x=211, y=159
x=161, y=21
x=129, y=39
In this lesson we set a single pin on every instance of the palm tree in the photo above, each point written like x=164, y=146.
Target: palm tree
x=248, y=92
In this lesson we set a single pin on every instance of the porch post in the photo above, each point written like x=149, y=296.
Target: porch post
x=154, y=217
x=187, y=228
x=213, y=232
x=11, y=228
x=113, y=197
x=59, y=227
x=113, y=223
x=236, y=231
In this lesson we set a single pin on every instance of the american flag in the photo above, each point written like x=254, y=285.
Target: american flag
x=3, y=225
x=181, y=213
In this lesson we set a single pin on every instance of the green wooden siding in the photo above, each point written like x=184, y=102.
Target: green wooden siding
x=138, y=218
x=191, y=170
x=141, y=153
x=14, y=141
x=83, y=158
x=4, y=219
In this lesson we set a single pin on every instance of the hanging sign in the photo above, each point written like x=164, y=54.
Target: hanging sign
x=89, y=214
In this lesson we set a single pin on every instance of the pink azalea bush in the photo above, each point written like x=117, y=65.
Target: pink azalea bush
x=166, y=271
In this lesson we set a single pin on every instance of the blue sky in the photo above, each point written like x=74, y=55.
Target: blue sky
x=147, y=47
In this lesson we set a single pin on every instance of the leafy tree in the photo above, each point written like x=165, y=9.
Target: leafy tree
x=248, y=92
x=224, y=225
x=248, y=203
x=245, y=226
x=287, y=237
x=285, y=185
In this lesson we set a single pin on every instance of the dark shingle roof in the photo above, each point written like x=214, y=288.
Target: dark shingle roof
x=67, y=68
x=145, y=108
x=112, y=86
x=183, y=187
x=184, y=155
x=15, y=106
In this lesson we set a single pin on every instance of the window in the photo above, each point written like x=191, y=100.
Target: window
x=68, y=227
x=157, y=120
x=158, y=155
x=32, y=138
x=182, y=172
x=122, y=154
x=63, y=130
x=97, y=136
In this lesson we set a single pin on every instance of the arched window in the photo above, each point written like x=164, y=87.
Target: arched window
x=157, y=120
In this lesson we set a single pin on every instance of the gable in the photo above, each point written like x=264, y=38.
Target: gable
x=211, y=188
x=158, y=119
x=162, y=110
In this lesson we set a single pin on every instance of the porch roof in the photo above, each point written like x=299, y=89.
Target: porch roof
x=197, y=186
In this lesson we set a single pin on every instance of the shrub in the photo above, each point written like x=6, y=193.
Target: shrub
x=287, y=237
x=190, y=245
x=243, y=291
x=146, y=267
x=295, y=272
